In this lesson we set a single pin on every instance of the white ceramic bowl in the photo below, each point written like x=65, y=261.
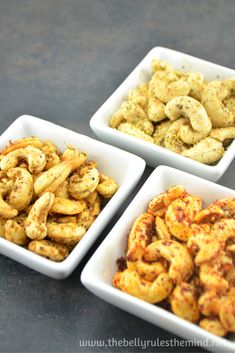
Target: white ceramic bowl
x=98, y=273
x=124, y=167
x=153, y=154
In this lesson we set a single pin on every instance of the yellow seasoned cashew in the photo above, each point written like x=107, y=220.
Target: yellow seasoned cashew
x=70, y=153
x=227, y=313
x=207, y=151
x=65, y=233
x=107, y=186
x=212, y=274
x=140, y=235
x=184, y=302
x=212, y=99
x=2, y=227
x=208, y=246
x=48, y=249
x=63, y=190
x=35, y=224
x=83, y=183
x=162, y=229
x=55, y=176
x=15, y=233
x=172, y=140
x=190, y=108
x=35, y=158
x=221, y=208
x=6, y=210
x=196, y=84
x=214, y=326
x=85, y=219
x=164, y=199
x=68, y=207
x=139, y=96
x=22, y=143
x=52, y=154
x=148, y=270
x=223, y=133
x=180, y=215
x=168, y=86
x=131, y=130
x=22, y=192
x=156, y=110
x=160, y=132
x=94, y=204
x=209, y=303
x=181, y=264
x=153, y=292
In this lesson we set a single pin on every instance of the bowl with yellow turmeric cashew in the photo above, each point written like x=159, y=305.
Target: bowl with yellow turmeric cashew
x=58, y=191
x=170, y=259
x=173, y=109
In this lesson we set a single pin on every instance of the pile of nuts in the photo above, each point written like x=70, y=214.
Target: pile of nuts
x=181, y=112
x=183, y=257
x=49, y=199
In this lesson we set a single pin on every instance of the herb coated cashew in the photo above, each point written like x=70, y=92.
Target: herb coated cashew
x=22, y=192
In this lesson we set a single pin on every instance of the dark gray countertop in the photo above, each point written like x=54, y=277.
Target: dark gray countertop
x=60, y=60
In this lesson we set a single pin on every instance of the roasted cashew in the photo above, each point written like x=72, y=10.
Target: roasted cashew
x=22, y=143
x=83, y=183
x=209, y=303
x=196, y=84
x=210, y=214
x=63, y=190
x=160, y=132
x=15, y=233
x=131, y=130
x=70, y=153
x=207, y=151
x=223, y=230
x=162, y=229
x=22, y=192
x=48, y=249
x=51, y=152
x=223, y=133
x=165, y=89
x=6, y=210
x=55, y=176
x=2, y=227
x=214, y=326
x=164, y=199
x=212, y=99
x=35, y=224
x=107, y=186
x=184, y=302
x=34, y=157
x=139, y=96
x=140, y=236
x=190, y=108
x=172, y=140
x=65, y=233
x=148, y=270
x=156, y=110
x=212, y=273
x=181, y=265
x=227, y=313
x=209, y=247
x=180, y=215
x=68, y=207
x=85, y=219
x=152, y=292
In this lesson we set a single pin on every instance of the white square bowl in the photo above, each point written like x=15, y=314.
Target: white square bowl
x=153, y=154
x=122, y=166
x=100, y=269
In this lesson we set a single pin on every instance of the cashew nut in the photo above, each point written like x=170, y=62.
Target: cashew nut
x=107, y=186
x=48, y=249
x=212, y=99
x=184, y=302
x=156, y=110
x=214, y=326
x=22, y=192
x=131, y=130
x=160, y=132
x=55, y=176
x=83, y=183
x=65, y=233
x=68, y=207
x=51, y=152
x=22, y=143
x=152, y=292
x=209, y=303
x=181, y=265
x=207, y=151
x=223, y=133
x=6, y=210
x=15, y=233
x=35, y=224
x=172, y=140
x=227, y=313
x=34, y=157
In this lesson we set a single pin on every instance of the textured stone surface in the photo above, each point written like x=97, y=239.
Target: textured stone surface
x=60, y=60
